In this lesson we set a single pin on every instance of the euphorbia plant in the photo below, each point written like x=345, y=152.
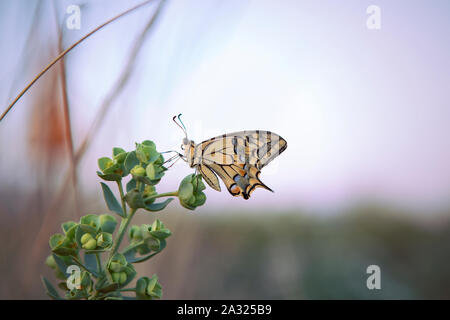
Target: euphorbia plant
x=87, y=256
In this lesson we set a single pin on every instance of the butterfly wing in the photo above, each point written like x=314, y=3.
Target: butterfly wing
x=209, y=176
x=237, y=159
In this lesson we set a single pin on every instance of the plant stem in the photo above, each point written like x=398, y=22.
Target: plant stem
x=167, y=194
x=99, y=263
x=138, y=186
x=62, y=54
x=122, y=197
x=122, y=229
x=128, y=290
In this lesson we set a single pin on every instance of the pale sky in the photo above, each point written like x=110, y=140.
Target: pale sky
x=365, y=112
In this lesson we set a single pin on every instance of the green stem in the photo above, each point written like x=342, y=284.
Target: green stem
x=128, y=290
x=167, y=194
x=122, y=197
x=132, y=247
x=138, y=186
x=99, y=263
x=122, y=229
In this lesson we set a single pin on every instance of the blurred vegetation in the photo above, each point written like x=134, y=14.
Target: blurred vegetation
x=279, y=255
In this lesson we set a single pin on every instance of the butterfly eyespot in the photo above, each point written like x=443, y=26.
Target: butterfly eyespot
x=182, y=147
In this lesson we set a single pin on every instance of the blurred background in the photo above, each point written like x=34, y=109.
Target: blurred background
x=365, y=179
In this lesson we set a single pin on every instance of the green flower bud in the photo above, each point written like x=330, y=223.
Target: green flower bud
x=116, y=267
x=134, y=199
x=90, y=244
x=153, y=243
x=123, y=278
x=155, y=172
x=113, y=170
x=119, y=277
x=149, y=191
x=50, y=261
x=120, y=158
x=115, y=277
x=148, y=288
x=141, y=288
x=85, y=238
x=154, y=289
x=146, y=151
x=135, y=234
x=117, y=263
x=138, y=171
x=158, y=230
x=190, y=192
x=104, y=240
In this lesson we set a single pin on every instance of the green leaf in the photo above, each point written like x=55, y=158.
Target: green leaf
x=117, y=151
x=142, y=259
x=161, y=234
x=103, y=163
x=114, y=298
x=70, y=234
x=50, y=290
x=107, y=223
x=131, y=185
x=90, y=262
x=111, y=200
x=105, y=286
x=62, y=263
x=149, y=143
x=56, y=240
x=109, y=177
x=91, y=220
x=97, y=251
x=67, y=225
x=158, y=206
x=62, y=245
x=131, y=160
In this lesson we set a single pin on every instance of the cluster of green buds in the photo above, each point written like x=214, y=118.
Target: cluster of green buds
x=82, y=244
x=146, y=240
x=121, y=271
x=190, y=192
x=93, y=233
x=148, y=288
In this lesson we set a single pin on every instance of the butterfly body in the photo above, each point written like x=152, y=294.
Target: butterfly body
x=236, y=158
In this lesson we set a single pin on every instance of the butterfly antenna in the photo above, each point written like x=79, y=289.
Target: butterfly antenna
x=179, y=118
x=181, y=127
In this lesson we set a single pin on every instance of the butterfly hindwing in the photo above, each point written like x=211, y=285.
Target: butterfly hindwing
x=240, y=180
x=209, y=176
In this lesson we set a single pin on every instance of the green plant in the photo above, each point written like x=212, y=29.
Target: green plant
x=106, y=270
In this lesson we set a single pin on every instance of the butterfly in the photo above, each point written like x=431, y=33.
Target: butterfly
x=237, y=158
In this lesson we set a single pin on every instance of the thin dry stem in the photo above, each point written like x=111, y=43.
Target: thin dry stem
x=62, y=54
x=114, y=93
x=67, y=122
